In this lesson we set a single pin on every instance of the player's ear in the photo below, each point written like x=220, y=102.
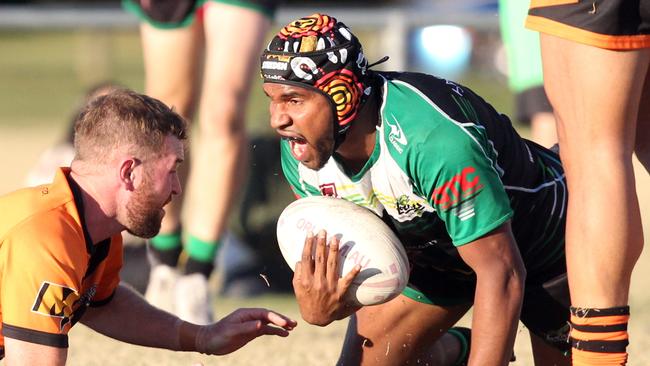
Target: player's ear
x=127, y=173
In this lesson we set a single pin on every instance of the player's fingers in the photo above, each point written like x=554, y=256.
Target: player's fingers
x=266, y=316
x=296, y=273
x=346, y=281
x=333, y=262
x=281, y=320
x=271, y=330
x=306, y=259
x=321, y=255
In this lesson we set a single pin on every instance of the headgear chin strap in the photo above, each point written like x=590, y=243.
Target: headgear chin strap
x=320, y=53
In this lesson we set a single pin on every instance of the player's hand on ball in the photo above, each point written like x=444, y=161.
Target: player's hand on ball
x=319, y=290
x=240, y=327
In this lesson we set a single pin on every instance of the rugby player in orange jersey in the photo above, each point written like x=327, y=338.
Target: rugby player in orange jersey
x=61, y=248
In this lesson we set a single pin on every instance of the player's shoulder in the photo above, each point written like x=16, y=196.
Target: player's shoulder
x=447, y=99
x=34, y=213
x=414, y=121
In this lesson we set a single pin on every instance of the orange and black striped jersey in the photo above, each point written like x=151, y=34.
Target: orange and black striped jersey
x=611, y=24
x=50, y=271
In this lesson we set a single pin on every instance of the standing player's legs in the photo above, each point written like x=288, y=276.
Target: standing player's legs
x=234, y=37
x=595, y=94
x=172, y=69
x=403, y=332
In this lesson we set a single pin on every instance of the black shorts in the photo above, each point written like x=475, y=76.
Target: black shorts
x=530, y=102
x=545, y=309
x=611, y=24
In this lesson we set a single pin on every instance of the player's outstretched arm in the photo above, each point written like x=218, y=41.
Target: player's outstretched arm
x=129, y=318
x=319, y=290
x=240, y=327
x=500, y=276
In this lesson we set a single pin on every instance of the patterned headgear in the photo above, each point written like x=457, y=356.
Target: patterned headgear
x=320, y=53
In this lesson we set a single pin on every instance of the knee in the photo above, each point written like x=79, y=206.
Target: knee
x=223, y=117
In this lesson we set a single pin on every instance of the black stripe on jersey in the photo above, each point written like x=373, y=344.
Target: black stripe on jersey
x=99, y=303
x=97, y=252
x=79, y=203
x=35, y=336
x=98, y=255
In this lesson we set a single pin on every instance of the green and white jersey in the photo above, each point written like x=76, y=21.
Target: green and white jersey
x=446, y=170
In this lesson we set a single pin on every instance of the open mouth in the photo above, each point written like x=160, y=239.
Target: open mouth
x=298, y=147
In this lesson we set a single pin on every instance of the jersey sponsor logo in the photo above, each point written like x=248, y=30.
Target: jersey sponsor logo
x=405, y=206
x=328, y=189
x=62, y=302
x=396, y=136
x=458, y=190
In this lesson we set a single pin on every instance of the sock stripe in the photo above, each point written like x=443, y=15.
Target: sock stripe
x=598, y=336
x=586, y=358
x=595, y=312
x=600, y=346
x=462, y=335
x=600, y=328
x=601, y=320
x=200, y=250
x=167, y=241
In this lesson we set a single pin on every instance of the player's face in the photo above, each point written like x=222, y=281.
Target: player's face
x=304, y=118
x=144, y=211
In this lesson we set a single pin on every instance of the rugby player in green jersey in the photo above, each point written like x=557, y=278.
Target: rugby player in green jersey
x=479, y=210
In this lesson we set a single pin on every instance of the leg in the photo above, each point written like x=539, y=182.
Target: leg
x=595, y=94
x=400, y=332
x=233, y=40
x=171, y=62
x=234, y=37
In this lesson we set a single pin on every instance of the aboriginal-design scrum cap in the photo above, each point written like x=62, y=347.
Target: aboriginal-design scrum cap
x=321, y=53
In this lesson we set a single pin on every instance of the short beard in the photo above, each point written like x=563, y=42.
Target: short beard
x=143, y=212
x=324, y=149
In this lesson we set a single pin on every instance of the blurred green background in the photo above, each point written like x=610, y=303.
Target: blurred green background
x=44, y=74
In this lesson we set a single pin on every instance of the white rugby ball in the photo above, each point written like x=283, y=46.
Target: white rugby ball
x=364, y=239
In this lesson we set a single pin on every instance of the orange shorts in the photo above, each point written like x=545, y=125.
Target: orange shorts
x=610, y=24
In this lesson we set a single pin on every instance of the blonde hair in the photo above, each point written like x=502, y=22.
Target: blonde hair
x=124, y=118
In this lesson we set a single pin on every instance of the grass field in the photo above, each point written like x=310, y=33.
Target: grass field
x=43, y=76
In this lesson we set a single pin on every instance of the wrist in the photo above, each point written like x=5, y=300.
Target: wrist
x=187, y=335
